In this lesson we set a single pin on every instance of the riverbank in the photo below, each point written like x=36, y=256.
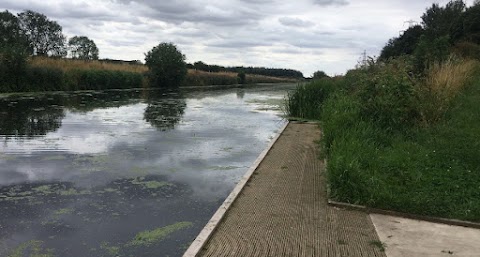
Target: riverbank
x=401, y=144
x=280, y=208
x=50, y=74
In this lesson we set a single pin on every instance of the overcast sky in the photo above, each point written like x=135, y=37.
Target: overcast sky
x=305, y=35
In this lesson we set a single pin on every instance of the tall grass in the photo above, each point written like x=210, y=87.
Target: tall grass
x=56, y=74
x=71, y=64
x=204, y=78
x=375, y=160
x=442, y=83
x=306, y=100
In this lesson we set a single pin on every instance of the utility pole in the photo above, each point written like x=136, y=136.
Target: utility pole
x=364, y=57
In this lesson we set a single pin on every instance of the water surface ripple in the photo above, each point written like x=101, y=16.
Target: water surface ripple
x=124, y=173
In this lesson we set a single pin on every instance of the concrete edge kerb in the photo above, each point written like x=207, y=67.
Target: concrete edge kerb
x=452, y=222
x=213, y=223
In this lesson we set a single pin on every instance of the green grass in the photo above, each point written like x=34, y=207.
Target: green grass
x=431, y=169
x=306, y=100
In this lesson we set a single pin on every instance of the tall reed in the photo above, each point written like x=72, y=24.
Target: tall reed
x=442, y=83
x=71, y=64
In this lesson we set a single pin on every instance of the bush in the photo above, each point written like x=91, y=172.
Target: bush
x=307, y=99
x=104, y=79
x=387, y=95
x=43, y=79
x=467, y=50
x=13, y=64
x=167, y=67
x=241, y=77
x=430, y=51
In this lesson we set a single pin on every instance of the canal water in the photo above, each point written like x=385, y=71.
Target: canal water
x=124, y=173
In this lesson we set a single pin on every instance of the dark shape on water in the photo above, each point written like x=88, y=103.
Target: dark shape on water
x=24, y=117
x=165, y=109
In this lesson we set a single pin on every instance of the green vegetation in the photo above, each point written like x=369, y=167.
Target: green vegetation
x=110, y=250
x=45, y=36
x=150, y=184
x=380, y=245
x=146, y=238
x=33, y=50
x=32, y=248
x=83, y=48
x=401, y=133
x=319, y=75
x=166, y=64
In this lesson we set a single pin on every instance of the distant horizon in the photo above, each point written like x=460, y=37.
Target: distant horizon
x=308, y=35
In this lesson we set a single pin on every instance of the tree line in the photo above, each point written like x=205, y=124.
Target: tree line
x=272, y=72
x=442, y=29
x=34, y=34
x=30, y=34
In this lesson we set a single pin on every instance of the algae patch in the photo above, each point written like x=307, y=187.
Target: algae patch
x=32, y=248
x=150, y=184
x=223, y=167
x=110, y=250
x=149, y=237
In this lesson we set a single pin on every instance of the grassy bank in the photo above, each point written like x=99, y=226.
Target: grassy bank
x=400, y=142
x=49, y=74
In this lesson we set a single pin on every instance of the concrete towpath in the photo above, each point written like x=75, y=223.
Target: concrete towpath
x=283, y=209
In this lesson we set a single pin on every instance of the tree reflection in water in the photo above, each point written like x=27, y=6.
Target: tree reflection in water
x=29, y=117
x=164, y=109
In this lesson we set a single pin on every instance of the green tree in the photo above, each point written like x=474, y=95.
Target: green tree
x=10, y=31
x=471, y=24
x=430, y=51
x=166, y=64
x=13, y=52
x=444, y=21
x=402, y=45
x=83, y=48
x=45, y=36
x=242, y=78
x=201, y=66
x=319, y=75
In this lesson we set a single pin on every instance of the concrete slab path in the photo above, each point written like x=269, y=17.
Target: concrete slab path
x=414, y=238
x=283, y=210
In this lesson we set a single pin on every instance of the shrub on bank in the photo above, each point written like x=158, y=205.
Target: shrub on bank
x=307, y=99
x=401, y=142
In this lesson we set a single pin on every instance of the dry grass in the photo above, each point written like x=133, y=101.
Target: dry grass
x=196, y=77
x=442, y=84
x=69, y=64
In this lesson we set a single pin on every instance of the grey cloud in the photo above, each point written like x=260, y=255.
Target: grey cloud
x=258, y=1
x=235, y=44
x=178, y=12
x=330, y=2
x=295, y=22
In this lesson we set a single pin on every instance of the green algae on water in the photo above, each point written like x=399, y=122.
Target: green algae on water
x=149, y=237
x=109, y=249
x=32, y=248
x=151, y=184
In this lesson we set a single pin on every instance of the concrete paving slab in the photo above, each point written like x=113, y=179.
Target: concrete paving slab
x=411, y=238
